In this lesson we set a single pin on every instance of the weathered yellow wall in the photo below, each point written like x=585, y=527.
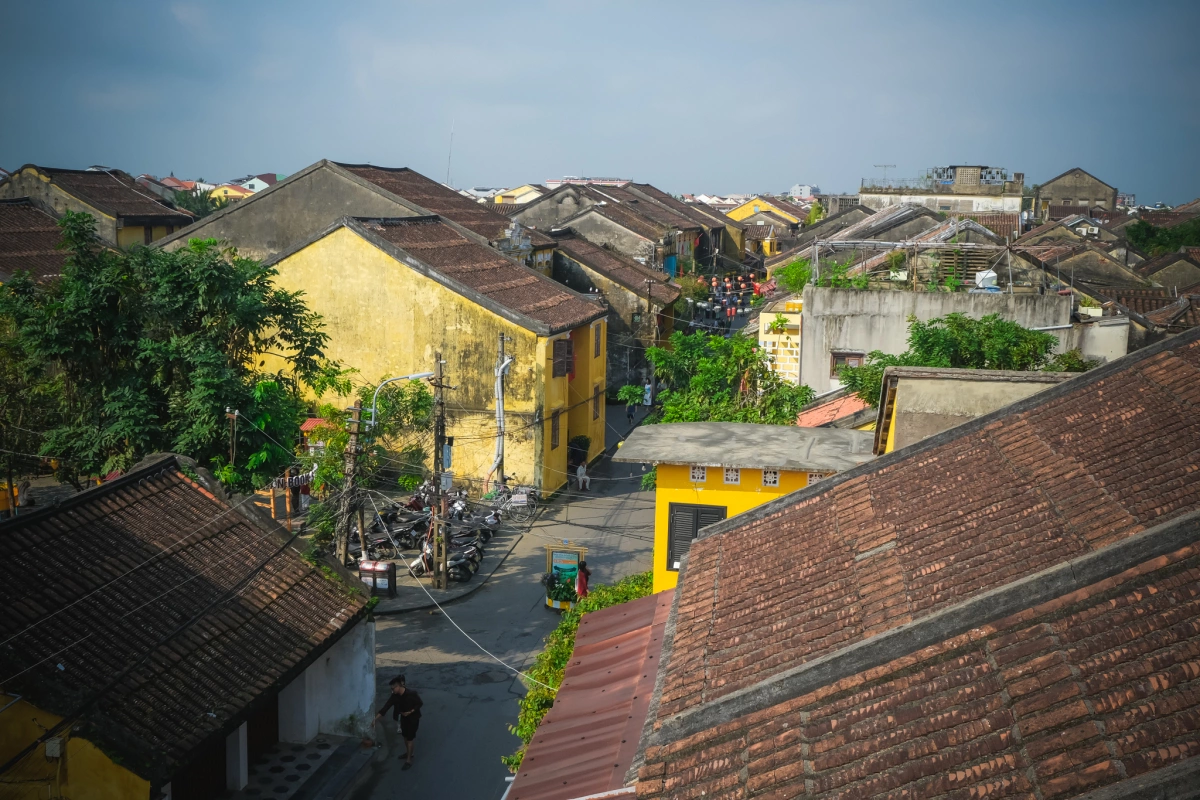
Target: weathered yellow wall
x=674, y=485
x=386, y=319
x=132, y=235
x=84, y=774
x=748, y=209
x=891, y=431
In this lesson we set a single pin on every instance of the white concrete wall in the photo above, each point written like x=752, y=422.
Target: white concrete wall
x=336, y=694
x=1103, y=340
x=861, y=321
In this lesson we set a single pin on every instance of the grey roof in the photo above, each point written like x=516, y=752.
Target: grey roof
x=745, y=444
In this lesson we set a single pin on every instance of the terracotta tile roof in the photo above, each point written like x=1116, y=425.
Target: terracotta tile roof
x=247, y=614
x=758, y=233
x=1180, y=315
x=1065, y=472
x=1151, y=266
x=414, y=187
x=882, y=221
x=29, y=240
x=587, y=741
x=626, y=218
x=824, y=412
x=699, y=213
x=113, y=192
x=1192, y=207
x=482, y=270
x=1094, y=687
x=1000, y=224
x=652, y=210
x=617, y=267
x=1167, y=219
x=788, y=207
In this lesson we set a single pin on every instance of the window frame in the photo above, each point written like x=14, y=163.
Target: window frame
x=596, y=334
x=834, y=355
x=736, y=472
x=563, y=358
x=772, y=485
x=703, y=472
x=694, y=527
x=596, y=401
x=555, y=429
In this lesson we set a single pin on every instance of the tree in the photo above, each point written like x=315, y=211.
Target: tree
x=815, y=214
x=715, y=379
x=149, y=348
x=794, y=276
x=1157, y=241
x=957, y=340
x=199, y=201
x=28, y=399
x=399, y=442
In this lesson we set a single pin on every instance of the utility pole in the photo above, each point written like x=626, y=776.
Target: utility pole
x=438, y=522
x=232, y=417
x=349, y=496
x=502, y=363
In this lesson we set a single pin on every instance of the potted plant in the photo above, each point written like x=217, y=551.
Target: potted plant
x=560, y=591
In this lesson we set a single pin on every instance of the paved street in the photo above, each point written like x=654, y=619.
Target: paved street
x=470, y=699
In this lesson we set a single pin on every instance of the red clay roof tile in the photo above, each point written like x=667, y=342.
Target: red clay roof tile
x=29, y=240
x=191, y=550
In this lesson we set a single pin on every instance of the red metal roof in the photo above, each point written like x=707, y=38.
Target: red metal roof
x=830, y=411
x=311, y=424
x=587, y=741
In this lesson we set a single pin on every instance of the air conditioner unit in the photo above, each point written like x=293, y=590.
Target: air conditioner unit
x=1093, y=230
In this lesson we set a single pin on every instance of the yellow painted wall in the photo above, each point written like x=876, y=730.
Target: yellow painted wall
x=748, y=209
x=385, y=319
x=85, y=773
x=521, y=194
x=891, y=432
x=674, y=485
x=589, y=375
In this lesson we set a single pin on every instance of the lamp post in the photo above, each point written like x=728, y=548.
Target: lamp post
x=375, y=399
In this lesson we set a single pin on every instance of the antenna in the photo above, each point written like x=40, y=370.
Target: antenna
x=450, y=154
x=885, y=168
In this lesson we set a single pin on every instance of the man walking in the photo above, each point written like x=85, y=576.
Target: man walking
x=406, y=707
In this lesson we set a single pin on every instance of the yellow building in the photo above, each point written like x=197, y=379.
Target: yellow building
x=230, y=192
x=756, y=205
x=521, y=194
x=709, y=471
x=125, y=213
x=779, y=335
x=392, y=292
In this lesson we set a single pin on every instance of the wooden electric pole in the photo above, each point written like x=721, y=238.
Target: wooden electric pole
x=349, y=496
x=440, y=549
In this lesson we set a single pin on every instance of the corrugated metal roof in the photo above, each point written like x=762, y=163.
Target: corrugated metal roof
x=587, y=741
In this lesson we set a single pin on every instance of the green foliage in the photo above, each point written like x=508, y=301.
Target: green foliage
x=198, y=201
x=718, y=379
x=1157, y=241
x=957, y=340
x=650, y=479
x=779, y=324
x=895, y=261
x=690, y=288
x=549, y=665
x=838, y=276
x=631, y=394
x=147, y=348
x=952, y=283
x=1070, y=361
x=815, y=214
x=28, y=399
x=399, y=441
x=794, y=276
x=560, y=588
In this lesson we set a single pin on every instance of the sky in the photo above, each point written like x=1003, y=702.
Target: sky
x=693, y=97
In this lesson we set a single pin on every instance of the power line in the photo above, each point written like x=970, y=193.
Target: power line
x=130, y=571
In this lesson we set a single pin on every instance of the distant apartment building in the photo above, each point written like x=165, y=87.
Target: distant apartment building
x=958, y=188
x=554, y=183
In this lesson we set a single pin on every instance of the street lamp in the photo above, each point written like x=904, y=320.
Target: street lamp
x=375, y=399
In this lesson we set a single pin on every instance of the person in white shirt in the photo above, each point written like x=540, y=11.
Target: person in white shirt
x=581, y=477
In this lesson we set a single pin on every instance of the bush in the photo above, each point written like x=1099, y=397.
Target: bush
x=549, y=665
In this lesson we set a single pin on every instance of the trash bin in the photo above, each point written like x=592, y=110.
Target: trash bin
x=379, y=577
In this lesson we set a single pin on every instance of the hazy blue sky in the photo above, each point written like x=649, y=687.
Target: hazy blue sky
x=692, y=96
